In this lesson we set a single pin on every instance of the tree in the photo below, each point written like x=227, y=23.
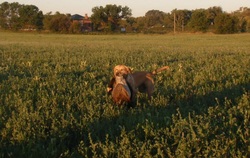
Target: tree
x=225, y=23
x=15, y=16
x=212, y=13
x=139, y=24
x=75, y=27
x=99, y=18
x=155, y=21
x=39, y=20
x=46, y=20
x=9, y=15
x=182, y=17
x=243, y=14
x=58, y=22
x=108, y=17
x=199, y=21
x=154, y=17
x=129, y=24
x=30, y=17
x=5, y=15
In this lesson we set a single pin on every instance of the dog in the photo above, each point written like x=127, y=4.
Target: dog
x=121, y=92
x=144, y=81
x=124, y=72
x=141, y=80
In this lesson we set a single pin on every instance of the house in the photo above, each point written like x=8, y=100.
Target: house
x=85, y=22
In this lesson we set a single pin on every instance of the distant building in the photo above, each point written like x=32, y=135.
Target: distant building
x=85, y=22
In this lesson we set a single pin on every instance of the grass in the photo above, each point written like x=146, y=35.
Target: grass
x=53, y=101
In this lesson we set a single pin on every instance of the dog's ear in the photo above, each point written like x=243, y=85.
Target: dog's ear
x=128, y=70
x=109, y=90
x=114, y=71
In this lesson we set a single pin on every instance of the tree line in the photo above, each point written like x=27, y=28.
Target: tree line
x=115, y=18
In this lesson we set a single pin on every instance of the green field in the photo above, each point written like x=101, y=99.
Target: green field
x=53, y=100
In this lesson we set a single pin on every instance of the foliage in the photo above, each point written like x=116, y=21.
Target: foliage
x=53, y=100
x=31, y=16
x=199, y=21
x=16, y=16
x=244, y=18
x=111, y=18
x=108, y=17
x=9, y=15
x=182, y=17
x=225, y=23
x=58, y=22
x=212, y=13
x=75, y=27
x=154, y=17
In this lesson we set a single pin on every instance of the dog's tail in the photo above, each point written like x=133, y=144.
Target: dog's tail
x=159, y=70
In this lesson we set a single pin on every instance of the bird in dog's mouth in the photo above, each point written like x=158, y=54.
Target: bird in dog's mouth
x=119, y=79
x=121, y=92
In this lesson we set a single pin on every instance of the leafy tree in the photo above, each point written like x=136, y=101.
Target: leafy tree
x=39, y=20
x=243, y=25
x=31, y=17
x=129, y=24
x=182, y=17
x=46, y=20
x=109, y=17
x=75, y=27
x=199, y=21
x=244, y=18
x=4, y=14
x=58, y=22
x=9, y=15
x=212, y=12
x=154, y=17
x=139, y=25
x=98, y=17
x=15, y=16
x=154, y=21
x=225, y=23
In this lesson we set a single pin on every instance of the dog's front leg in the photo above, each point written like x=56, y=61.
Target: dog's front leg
x=111, y=85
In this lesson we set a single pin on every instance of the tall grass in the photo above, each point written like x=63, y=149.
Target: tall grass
x=53, y=101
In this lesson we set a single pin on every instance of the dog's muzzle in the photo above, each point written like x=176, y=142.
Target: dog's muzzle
x=119, y=74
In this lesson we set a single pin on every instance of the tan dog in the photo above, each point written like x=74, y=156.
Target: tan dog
x=121, y=93
x=141, y=80
x=124, y=72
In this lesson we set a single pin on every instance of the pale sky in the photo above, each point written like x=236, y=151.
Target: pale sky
x=138, y=7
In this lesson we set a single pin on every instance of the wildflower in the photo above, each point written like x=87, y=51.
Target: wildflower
x=29, y=64
x=36, y=78
x=180, y=67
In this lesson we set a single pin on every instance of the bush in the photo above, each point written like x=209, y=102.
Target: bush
x=198, y=21
x=226, y=24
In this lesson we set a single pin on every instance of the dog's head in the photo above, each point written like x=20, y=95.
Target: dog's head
x=122, y=70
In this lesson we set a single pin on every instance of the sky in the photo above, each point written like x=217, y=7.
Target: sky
x=138, y=7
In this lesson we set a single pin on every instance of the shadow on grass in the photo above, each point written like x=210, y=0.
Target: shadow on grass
x=160, y=116
x=132, y=120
